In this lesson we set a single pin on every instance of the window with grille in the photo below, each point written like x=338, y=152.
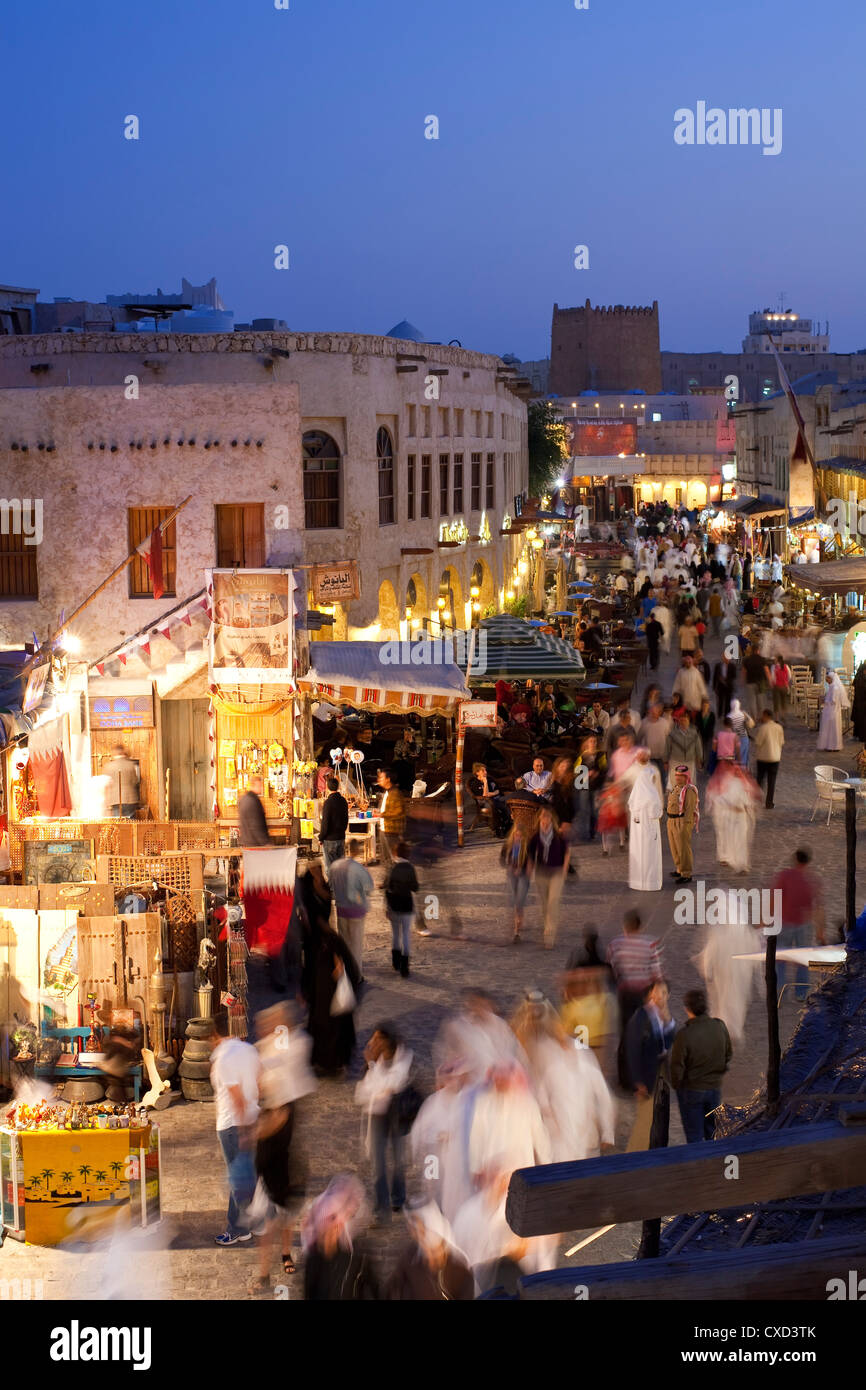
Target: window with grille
x=443, y=484
x=385, y=457
x=426, y=471
x=490, y=483
x=18, y=574
x=322, y=482
x=142, y=522
x=240, y=535
x=475, y=484
x=410, y=488
x=458, y=484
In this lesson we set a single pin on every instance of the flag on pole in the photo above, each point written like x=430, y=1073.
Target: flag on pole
x=151, y=552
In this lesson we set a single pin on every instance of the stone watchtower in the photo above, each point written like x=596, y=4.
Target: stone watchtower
x=613, y=349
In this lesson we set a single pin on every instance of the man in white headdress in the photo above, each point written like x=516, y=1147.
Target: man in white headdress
x=645, y=806
x=733, y=797
x=835, y=700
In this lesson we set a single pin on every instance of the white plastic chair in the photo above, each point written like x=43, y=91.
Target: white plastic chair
x=829, y=787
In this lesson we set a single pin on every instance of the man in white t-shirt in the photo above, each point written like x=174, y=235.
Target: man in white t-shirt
x=234, y=1075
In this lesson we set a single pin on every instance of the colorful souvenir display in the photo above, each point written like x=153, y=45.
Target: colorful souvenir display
x=78, y=1115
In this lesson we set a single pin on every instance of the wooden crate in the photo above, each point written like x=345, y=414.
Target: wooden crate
x=182, y=872
x=198, y=835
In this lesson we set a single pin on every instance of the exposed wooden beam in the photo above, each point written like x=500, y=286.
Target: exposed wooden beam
x=797, y=1271
x=690, y=1178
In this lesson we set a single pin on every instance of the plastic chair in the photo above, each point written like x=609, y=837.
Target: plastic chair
x=830, y=785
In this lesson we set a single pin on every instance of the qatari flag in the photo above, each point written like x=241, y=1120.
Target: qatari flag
x=151, y=552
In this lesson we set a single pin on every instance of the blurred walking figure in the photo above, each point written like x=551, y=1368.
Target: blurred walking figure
x=518, y=873
x=648, y=1039
x=549, y=853
x=124, y=789
x=576, y=1105
x=337, y=1265
x=392, y=807
x=234, y=1075
x=476, y=1038
x=438, y=1140
x=389, y=1064
x=430, y=1267
x=636, y=962
x=741, y=723
x=507, y=1130
x=588, y=1008
x=700, y=1056
x=497, y=1256
x=285, y=1078
x=803, y=922
x=732, y=797
x=330, y=978
x=253, y=830
x=730, y=982
x=401, y=882
x=780, y=685
x=352, y=884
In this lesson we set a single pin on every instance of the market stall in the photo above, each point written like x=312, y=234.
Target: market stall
x=77, y=1173
x=408, y=681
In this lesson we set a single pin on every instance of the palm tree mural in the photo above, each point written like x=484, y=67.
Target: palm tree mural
x=36, y=1180
x=116, y=1167
x=100, y=1176
x=48, y=1174
x=84, y=1170
x=66, y=1177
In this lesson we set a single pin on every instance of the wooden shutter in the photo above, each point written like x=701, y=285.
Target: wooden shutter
x=142, y=522
x=240, y=535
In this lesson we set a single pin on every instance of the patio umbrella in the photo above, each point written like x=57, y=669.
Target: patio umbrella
x=599, y=685
x=560, y=583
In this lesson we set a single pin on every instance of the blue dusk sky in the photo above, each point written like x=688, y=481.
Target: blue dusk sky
x=306, y=127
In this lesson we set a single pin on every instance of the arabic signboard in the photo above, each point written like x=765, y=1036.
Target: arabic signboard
x=251, y=631
x=601, y=438
x=121, y=712
x=335, y=583
x=478, y=714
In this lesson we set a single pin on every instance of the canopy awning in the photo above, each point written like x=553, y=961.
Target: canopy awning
x=802, y=518
x=393, y=676
x=830, y=576
x=511, y=649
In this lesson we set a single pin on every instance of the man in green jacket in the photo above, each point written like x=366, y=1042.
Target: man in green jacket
x=700, y=1056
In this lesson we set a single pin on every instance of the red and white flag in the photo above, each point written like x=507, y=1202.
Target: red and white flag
x=151, y=552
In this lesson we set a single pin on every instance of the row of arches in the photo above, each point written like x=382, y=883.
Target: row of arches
x=450, y=606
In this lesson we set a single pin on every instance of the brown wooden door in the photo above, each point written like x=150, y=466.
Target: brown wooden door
x=240, y=536
x=186, y=753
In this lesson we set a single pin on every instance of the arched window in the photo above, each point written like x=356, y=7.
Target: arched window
x=385, y=458
x=322, y=482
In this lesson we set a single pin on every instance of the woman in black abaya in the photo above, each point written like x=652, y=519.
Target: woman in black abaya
x=324, y=959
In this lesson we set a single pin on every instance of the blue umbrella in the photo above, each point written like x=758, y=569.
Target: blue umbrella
x=599, y=685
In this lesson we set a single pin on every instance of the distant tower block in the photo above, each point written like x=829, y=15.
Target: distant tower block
x=613, y=349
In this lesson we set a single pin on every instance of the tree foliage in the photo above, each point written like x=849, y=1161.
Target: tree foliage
x=548, y=446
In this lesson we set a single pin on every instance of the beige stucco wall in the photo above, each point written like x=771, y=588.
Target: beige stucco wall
x=272, y=387
x=86, y=492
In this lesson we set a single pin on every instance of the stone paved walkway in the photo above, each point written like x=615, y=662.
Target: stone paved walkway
x=470, y=890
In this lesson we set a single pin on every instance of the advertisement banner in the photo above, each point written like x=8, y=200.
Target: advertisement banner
x=597, y=438
x=35, y=687
x=335, y=583
x=251, y=627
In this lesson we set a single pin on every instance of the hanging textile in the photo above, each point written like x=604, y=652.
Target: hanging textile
x=48, y=768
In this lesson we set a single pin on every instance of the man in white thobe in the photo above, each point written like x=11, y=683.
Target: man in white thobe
x=439, y=1140
x=690, y=684
x=645, y=806
x=835, y=700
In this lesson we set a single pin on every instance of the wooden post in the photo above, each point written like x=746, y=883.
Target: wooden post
x=774, y=1054
x=850, y=859
x=461, y=737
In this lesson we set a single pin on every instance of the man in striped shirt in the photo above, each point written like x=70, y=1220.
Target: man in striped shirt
x=636, y=962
